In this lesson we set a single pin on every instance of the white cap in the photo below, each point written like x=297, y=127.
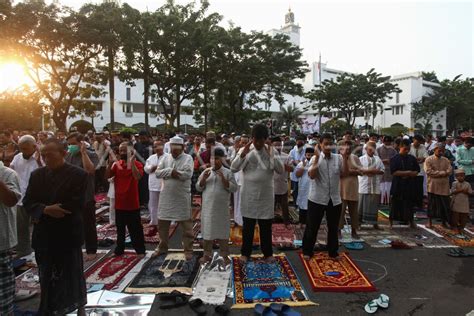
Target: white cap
x=176, y=141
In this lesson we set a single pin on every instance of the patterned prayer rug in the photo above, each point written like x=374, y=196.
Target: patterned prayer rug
x=165, y=273
x=421, y=237
x=260, y=282
x=453, y=237
x=375, y=238
x=283, y=236
x=111, y=270
x=107, y=231
x=101, y=198
x=236, y=236
x=151, y=235
x=330, y=275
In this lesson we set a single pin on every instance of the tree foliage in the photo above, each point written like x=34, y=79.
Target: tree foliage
x=350, y=94
x=289, y=116
x=20, y=109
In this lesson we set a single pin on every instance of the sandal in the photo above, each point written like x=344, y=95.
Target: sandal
x=263, y=310
x=382, y=301
x=172, y=300
x=283, y=309
x=371, y=307
x=198, y=307
x=354, y=245
x=222, y=309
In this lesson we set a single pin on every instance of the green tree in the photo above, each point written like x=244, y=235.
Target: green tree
x=20, y=109
x=58, y=48
x=289, y=116
x=108, y=18
x=430, y=76
x=457, y=95
x=424, y=110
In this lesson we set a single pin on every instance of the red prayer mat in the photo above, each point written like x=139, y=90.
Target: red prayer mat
x=151, y=234
x=111, y=270
x=330, y=275
x=101, y=198
x=453, y=237
x=107, y=231
x=236, y=235
x=282, y=235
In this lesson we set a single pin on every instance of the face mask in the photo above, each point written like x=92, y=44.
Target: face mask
x=73, y=149
x=123, y=156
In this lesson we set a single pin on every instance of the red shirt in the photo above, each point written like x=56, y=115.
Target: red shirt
x=126, y=186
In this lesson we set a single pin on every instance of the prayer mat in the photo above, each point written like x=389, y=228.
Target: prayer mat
x=108, y=231
x=294, y=215
x=151, y=235
x=283, y=236
x=335, y=275
x=166, y=273
x=259, y=282
x=375, y=237
x=454, y=238
x=236, y=235
x=111, y=270
x=298, y=242
x=421, y=237
x=101, y=198
x=212, y=283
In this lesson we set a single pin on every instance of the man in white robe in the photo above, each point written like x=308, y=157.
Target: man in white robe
x=176, y=171
x=258, y=163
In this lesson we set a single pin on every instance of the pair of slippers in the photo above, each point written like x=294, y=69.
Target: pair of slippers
x=381, y=302
x=177, y=299
x=275, y=309
x=197, y=305
x=459, y=252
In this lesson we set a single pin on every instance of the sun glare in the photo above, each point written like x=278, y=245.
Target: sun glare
x=12, y=76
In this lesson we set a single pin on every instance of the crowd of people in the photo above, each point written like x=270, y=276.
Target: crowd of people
x=48, y=183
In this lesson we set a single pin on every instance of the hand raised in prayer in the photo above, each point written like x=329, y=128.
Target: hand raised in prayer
x=246, y=149
x=206, y=174
x=223, y=179
x=55, y=211
x=83, y=147
x=133, y=156
x=175, y=174
x=269, y=150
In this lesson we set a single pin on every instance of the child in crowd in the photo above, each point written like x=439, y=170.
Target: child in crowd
x=216, y=184
x=460, y=190
x=303, y=185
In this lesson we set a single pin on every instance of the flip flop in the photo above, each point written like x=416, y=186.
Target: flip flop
x=263, y=310
x=371, y=307
x=197, y=305
x=222, y=309
x=283, y=310
x=176, y=301
x=354, y=245
x=459, y=252
x=382, y=301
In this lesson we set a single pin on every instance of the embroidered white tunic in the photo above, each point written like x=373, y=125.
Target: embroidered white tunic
x=175, y=196
x=215, y=215
x=256, y=193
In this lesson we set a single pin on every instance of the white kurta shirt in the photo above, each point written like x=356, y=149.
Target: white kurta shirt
x=256, y=193
x=175, y=196
x=23, y=168
x=303, y=187
x=215, y=215
x=370, y=185
x=154, y=183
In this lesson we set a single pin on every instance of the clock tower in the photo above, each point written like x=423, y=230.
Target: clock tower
x=291, y=28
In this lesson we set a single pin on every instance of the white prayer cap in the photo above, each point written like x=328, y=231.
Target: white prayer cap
x=176, y=141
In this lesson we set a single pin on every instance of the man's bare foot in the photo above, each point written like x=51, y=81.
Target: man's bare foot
x=188, y=256
x=270, y=259
x=243, y=259
x=90, y=256
x=205, y=259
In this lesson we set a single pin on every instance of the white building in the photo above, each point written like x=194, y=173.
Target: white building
x=129, y=106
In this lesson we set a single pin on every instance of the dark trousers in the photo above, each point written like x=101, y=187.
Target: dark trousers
x=143, y=191
x=133, y=222
x=294, y=191
x=314, y=218
x=248, y=229
x=90, y=229
x=302, y=216
x=282, y=200
x=101, y=183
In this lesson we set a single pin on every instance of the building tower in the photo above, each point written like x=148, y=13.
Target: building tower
x=291, y=28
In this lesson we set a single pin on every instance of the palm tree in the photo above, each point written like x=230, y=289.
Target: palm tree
x=289, y=115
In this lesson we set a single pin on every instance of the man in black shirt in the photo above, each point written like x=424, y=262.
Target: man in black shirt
x=55, y=199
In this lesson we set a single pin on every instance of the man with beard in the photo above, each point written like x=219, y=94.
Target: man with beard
x=24, y=163
x=55, y=199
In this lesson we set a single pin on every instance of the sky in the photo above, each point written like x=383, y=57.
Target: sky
x=394, y=37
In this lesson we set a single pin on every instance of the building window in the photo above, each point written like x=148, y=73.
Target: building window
x=397, y=110
x=397, y=98
x=128, y=109
x=129, y=93
x=152, y=98
x=401, y=109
